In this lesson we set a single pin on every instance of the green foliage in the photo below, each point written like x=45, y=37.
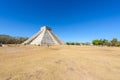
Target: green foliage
x=104, y=42
x=0, y=45
x=114, y=42
x=6, y=39
x=77, y=43
x=72, y=43
x=96, y=42
x=68, y=43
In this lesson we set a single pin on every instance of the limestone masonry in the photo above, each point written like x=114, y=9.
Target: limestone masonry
x=44, y=37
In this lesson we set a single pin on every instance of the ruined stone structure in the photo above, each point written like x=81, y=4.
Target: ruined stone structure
x=44, y=37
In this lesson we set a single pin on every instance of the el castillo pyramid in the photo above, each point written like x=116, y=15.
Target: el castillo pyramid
x=44, y=37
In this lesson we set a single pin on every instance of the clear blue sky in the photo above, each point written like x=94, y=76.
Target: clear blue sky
x=71, y=20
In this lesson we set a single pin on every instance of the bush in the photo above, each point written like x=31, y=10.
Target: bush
x=0, y=45
x=96, y=42
x=72, y=43
x=68, y=43
x=77, y=43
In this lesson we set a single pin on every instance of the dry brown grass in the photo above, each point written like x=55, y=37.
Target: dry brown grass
x=59, y=63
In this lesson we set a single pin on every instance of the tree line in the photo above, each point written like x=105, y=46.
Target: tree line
x=98, y=42
x=105, y=42
x=78, y=43
x=6, y=39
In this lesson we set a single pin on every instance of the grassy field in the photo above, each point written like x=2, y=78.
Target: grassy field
x=59, y=63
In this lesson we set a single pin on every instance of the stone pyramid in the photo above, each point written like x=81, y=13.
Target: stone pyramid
x=44, y=37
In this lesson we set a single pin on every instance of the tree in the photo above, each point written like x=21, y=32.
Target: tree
x=117, y=44
x=114, y=42
x=68, y=43
x=72, y=43
x=6, y=39
x=96, y=42
x=103, y=42
x=77, y=43
x=0, y=45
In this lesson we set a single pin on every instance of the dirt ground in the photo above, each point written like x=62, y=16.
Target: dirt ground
x=59, y=63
